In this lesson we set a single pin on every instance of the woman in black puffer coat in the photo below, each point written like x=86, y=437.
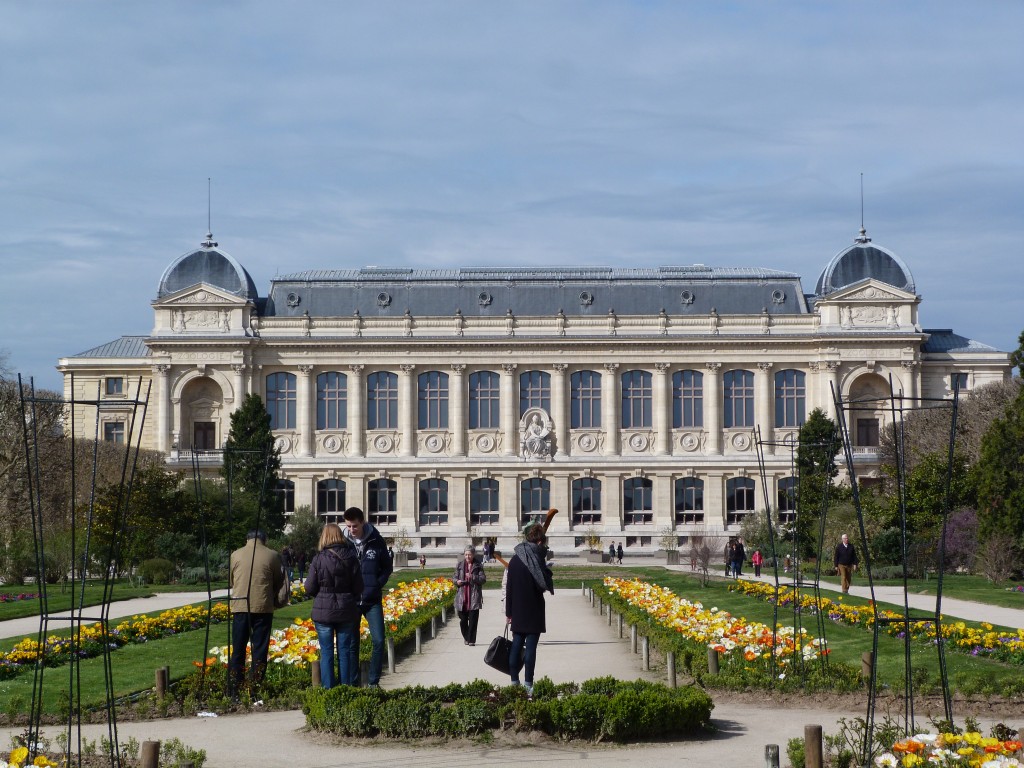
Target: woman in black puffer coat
x=335, y=582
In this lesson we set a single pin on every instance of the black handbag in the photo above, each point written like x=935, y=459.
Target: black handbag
x=498, y=652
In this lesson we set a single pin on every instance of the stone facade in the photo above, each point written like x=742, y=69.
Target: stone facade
x=454, y=404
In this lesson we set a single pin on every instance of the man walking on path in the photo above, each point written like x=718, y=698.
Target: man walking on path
x=255, y=578
x=376, y=567
x=845, y=561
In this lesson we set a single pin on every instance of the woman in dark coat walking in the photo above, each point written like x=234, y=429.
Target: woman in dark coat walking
x=469, y=598
x=528, y=579
x=335, y=582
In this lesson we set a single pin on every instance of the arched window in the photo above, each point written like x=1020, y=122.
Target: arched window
x=285, y=491
x=687, y=399
x=281, y=400
x=585, y=400
x=787, y=500
x=330, y=500
x=739, y=499
x=534, y=391
x=382, y=501
x=382, y=400
x=433, y=400
x=484, y=400
x=433, y=502
x=483, y=501
x=738, y=401
x=689, y=500
x=789, y=398
x=331, y=400
x=586, y=501
x=637, y=400
x=637, y=501
x=534, y=499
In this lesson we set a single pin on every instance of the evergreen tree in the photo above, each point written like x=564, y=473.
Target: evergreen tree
x=816, y=468
x=251, y=465
x=1000, y=476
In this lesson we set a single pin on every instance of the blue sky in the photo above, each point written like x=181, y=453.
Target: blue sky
x=529, y=133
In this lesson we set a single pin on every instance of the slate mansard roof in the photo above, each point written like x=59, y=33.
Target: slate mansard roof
x=207, y=265
x=577, y=291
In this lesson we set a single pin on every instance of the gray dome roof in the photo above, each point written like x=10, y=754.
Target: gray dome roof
x=864, y=260
x=207, y=265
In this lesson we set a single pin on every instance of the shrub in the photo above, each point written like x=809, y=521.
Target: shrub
x=795, y=752
x=156, y=570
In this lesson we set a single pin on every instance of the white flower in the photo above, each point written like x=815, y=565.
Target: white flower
x=925, y=738
x=887, y=760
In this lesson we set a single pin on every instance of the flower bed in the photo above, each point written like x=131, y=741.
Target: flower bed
x=9, y=597
x=716, y=629
x=983, y=641
x=406, y=607
x=58, y=650
x=953, y=749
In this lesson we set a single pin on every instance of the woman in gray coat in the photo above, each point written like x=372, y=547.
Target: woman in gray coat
x=469, y=597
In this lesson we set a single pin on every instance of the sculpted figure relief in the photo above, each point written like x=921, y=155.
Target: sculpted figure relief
x=535, y=439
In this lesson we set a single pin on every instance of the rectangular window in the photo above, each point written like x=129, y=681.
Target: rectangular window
x=483, y=502
x=687, y=399
x=433, y=502
x=637, y=400
x=382, y=400
x=382, y=501
x=534, y=391
x=484, y=400
x=867, y=432
x=113, y=431
x=114, y=385
x=789, y=398
x=957, y=381
x=586, y=501
x=738, y=399
x=739, y=499
x=689, y=500
x=281, y=400
x=535, y=499
x=638, y=501
x=585, y=400
x=433, y=400
x=331, y=400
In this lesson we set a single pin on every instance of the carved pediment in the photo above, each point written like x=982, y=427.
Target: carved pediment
x=869, y=292
x=200, y=296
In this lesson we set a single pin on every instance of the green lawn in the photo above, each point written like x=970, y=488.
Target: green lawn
x=62, y=600
x=134, y=666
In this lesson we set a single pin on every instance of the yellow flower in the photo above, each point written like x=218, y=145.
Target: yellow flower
x=18, y=756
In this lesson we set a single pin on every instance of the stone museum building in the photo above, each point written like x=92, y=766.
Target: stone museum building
x=458, y=403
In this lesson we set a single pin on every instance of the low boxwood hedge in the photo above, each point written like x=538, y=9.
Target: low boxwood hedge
x=603, y=709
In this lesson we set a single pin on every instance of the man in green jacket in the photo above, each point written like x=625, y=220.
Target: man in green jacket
x=256, y=577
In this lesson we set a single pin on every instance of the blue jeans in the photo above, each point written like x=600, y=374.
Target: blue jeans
x=375, y=619
x=347, y=636
x=523, y=656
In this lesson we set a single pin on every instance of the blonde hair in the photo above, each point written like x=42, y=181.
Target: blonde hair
x=330, y=536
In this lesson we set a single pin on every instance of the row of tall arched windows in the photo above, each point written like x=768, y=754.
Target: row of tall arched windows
x=535, y=500
x=484, y=412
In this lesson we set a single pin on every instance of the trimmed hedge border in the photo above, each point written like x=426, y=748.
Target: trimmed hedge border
x=602, y=709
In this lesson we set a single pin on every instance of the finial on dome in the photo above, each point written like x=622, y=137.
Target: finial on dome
x=208, y=242
x=862, y=237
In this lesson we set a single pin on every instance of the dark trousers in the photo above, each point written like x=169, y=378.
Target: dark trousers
x=467, y=623
x=246, y=627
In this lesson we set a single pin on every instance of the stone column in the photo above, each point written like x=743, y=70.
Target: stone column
x=356, y=411
x=304, y=405
x=610, y=408
x=407, y=409
x=764, y=405
x=457, y=413
x=714, y=505
x=558, y=409
x=240, y=392
x=713, y=408
x=509, y=421
x=662, y=410
x=910, y=388
x=831, y=383
x=163, y=406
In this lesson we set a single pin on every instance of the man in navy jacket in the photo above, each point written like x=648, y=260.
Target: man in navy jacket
x=376, y=568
